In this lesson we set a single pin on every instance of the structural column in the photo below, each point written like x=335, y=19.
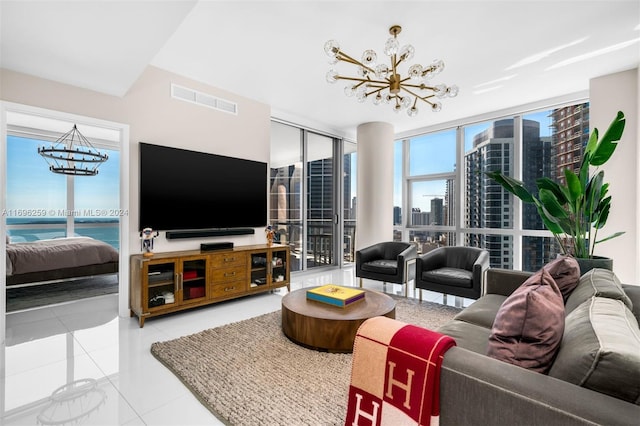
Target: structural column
x=375, y=184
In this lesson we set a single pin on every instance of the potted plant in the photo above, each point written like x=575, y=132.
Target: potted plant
x=577, y=209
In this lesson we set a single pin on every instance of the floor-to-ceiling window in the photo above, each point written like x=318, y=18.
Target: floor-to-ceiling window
x=43, y=205
x=312, y=211
x=525, y=146
x=430, y=193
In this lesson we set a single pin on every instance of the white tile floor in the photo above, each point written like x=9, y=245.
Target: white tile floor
x=120, y=381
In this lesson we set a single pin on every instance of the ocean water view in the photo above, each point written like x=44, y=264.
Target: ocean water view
x=21, y=229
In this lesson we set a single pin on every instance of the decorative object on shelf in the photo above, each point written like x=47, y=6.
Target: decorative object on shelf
x=147, y=235
x=270, y=234
x=384, y=83
x=73, y=154
x=578, y=208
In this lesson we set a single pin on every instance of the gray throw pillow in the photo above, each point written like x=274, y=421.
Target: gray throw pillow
x=600, y=349
x=597, y=282
x=528, y=327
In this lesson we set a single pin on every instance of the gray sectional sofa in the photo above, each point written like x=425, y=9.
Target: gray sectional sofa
x=594, y=378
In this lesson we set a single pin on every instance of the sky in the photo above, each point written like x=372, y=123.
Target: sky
x=33, y=190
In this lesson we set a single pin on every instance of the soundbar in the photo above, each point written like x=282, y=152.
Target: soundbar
x=216, y=246
x=201, y=233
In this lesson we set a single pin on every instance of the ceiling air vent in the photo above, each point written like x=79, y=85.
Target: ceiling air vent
x=203, y=99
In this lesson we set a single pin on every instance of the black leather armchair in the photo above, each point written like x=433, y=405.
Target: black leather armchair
x=458, y=271
x=390, y=261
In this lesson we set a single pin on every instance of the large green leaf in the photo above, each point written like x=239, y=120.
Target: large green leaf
x=594, y=193
x=608, y=143
x=617, y=234
x=593, y=142
x=512, y=185
x=551, y=185
x=551, y=204
x=550, y=222
x=574, y=185
x=602, y=213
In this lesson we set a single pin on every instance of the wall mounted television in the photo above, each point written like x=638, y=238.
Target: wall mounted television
x=189, y=190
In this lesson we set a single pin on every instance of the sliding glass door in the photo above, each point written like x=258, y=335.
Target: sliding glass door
x=285, y=203
x=320, y=201
x=311, y=210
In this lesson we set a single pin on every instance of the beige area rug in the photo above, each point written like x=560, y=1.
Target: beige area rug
x=249, y=373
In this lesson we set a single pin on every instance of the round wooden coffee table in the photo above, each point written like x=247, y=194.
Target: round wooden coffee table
x=321, y=326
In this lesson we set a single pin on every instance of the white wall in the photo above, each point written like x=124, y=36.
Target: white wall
x=608, y=95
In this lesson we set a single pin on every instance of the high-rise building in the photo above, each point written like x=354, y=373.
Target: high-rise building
x=488, y=205
x=397, y=215
x=437, y=211
x=418, y=217
x=570, y=137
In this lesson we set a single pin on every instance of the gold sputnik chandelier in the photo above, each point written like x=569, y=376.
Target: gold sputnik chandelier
x=384, y=83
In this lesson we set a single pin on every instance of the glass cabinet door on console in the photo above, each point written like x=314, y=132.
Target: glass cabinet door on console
x=162, y=284
x=279, y=267
x=259, y=271
x=269, y=269
x=174, y=281
x=193, y=280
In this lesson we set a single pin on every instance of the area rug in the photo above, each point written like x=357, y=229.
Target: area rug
x=249, y=373
x=35, y=296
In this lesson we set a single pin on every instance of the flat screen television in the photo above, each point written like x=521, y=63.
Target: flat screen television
x=187, y=190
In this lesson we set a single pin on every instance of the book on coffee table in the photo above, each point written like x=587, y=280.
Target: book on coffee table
x=335, y=295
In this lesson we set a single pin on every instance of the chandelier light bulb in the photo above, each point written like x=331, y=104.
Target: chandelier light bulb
x=406, y=53
x=350, y=90
x=382, y=71
x=369, y=58
x=363, y=72
x=395, y=82
x=438, y=66
x=331, y=48
x=332, y=76
x=391, y=46
x=415, y=72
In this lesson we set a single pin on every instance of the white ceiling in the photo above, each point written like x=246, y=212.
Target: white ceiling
x=500, y=53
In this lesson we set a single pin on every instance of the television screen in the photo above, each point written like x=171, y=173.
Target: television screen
x=182, y=189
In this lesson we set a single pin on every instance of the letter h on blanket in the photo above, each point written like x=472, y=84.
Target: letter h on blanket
x=395, y=374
